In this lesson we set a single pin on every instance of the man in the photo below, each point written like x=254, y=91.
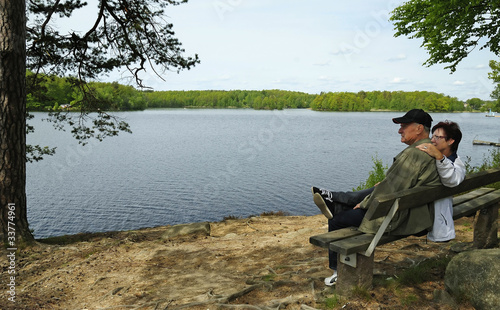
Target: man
x=410, y=168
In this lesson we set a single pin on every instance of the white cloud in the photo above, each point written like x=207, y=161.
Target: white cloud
x=325, y=78
x=224, y=77
x=397, y=80
x=323, y=64
x=398, y=57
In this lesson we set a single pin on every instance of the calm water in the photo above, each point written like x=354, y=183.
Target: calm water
x=182, y=166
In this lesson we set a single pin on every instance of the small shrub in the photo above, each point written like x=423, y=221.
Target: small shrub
x=332, y=302
x=230, y=217
x=489, y=162
x=275, y=213
x=362, y=293
x=374, y=176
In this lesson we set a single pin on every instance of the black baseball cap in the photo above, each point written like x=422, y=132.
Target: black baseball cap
x=415, y=116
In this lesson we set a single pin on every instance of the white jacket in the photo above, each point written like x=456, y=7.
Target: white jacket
x=451, y=175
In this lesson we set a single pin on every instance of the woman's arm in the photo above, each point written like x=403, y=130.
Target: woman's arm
x=451, y=174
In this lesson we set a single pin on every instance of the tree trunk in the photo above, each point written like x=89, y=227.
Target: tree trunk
x=13, y=219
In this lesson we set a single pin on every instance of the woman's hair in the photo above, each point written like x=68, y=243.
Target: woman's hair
x=452, y=131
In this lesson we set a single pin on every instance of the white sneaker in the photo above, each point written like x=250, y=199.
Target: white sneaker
x=320, y=202
x=331, y=280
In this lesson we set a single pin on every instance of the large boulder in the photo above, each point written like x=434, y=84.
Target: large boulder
x=474, y=276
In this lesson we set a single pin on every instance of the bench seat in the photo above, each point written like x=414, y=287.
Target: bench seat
x=350, y=240
x=325, y=239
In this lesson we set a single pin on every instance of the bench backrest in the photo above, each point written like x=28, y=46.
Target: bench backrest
x=417, y=196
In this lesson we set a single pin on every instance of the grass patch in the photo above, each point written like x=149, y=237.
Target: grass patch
x=408, y=300
x=424, y=271
x=269, y=277
x=275, y=213
x=230, y=217
x=395, y=285
x=361, y=293
x=331, y=302
x=388, y=283
x=270, y=213
x=468, y=226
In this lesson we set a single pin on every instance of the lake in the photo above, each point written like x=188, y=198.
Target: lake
x=183, y=165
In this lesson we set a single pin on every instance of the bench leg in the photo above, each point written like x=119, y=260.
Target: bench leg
x=350, y=277
x=486, y=228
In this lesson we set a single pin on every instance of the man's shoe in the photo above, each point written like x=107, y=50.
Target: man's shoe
x=315, y=190
x=331, y=280
x=327, y=195
x=321, y=203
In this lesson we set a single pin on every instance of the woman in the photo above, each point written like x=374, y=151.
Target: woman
x=446, y=137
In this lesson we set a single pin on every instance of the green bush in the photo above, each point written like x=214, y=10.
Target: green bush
x=374, y=176
x=489, y=161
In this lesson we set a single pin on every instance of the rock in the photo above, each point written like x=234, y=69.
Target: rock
x=231, y=236
x=474, y=276
x=186, y=229
x=443, y=297
x=460, y=247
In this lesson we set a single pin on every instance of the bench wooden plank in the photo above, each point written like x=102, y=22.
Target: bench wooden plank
x=457, y=200
x=472, y=206
x=324, y=240
x=418, y=196
x=358, y=244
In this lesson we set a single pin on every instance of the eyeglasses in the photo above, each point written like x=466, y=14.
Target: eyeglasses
x=438, y=137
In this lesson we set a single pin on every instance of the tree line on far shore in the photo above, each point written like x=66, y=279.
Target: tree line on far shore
x=53, y=93
x=387, y=100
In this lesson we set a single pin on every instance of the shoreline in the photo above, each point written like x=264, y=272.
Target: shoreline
x=180, y=226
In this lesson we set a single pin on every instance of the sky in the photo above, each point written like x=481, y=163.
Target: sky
x=308, y=46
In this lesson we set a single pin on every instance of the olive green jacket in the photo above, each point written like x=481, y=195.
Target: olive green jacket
x=410, y=168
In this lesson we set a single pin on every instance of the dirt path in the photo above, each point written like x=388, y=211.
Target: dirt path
x=256, y=263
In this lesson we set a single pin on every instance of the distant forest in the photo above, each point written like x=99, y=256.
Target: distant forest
x=54, y=93
x=386, y=100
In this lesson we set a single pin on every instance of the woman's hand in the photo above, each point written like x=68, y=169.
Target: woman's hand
x=430, y=149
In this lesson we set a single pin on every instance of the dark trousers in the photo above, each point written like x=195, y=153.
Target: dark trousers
x=347, y=218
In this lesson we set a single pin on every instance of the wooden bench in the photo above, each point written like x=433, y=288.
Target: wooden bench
x=356, y=249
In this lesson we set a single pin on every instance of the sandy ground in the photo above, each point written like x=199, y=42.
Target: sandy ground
x=261, y=262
